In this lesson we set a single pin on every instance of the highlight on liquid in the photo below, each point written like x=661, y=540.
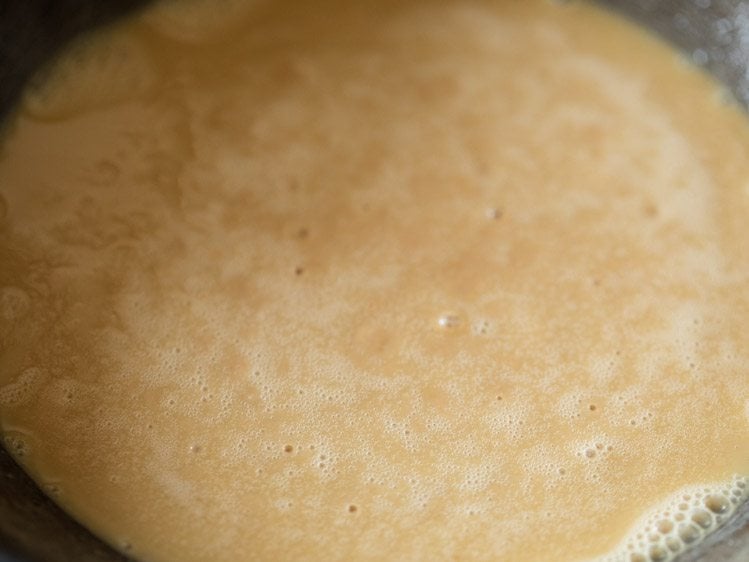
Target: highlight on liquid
x=378, y=281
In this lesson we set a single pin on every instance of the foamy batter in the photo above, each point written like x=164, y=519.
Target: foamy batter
x=424, y=280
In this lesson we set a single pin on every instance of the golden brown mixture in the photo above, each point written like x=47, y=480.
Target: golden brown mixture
x=429, y=280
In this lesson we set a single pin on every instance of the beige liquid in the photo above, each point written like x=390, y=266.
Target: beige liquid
x=427, y=280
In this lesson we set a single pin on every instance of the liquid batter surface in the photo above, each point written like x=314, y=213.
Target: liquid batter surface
x=424, y=280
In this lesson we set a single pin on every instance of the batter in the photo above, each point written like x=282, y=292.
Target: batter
x=427, y=280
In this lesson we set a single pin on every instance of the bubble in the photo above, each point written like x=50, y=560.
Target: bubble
x=717, y=503
x=688, y=533
x=657, y=553
x=352, y=508
x=702, y=518
x=448, y=321
x=664, y=526
x=700, y=57
x=288, y=449
x=673, y=544
x=590, y=453
x=481, y=327
x=14, y=303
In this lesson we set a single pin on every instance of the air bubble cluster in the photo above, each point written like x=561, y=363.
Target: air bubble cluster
x=681, y=523
x=16, y=443
x=19, y=391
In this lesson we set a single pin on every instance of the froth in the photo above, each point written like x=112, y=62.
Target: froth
x=18, y=443
x=18, y=391
x=342, y=281
x=681, y=522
